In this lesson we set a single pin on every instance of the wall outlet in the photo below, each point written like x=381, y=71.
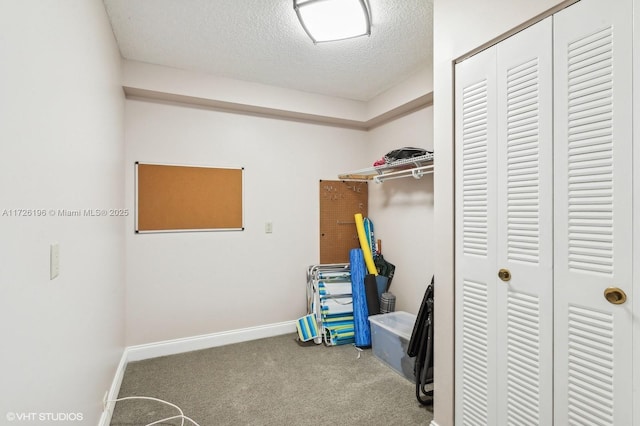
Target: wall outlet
x=54, y=260
x=268, y=227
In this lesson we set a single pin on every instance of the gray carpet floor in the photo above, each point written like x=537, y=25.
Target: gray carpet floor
x=270, y=382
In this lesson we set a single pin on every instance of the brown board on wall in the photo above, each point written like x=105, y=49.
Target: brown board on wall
x=173, y=198
x=339, y=202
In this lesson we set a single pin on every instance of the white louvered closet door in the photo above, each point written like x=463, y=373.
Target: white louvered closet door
x=475, y=97
x=593, y=213
x=504, y=220
x=525, y=227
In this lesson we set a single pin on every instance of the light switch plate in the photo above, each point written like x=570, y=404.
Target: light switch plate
x=54, y=261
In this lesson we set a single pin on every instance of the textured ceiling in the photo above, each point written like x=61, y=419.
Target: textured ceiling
x=262, y=41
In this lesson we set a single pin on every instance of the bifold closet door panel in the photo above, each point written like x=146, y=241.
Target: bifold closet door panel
x=525, y=226
x=593, y=213
x=475, y=164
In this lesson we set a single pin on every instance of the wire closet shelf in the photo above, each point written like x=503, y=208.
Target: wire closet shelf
x=415, y=167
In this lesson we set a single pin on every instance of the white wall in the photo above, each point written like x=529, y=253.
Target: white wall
x=168, y=81
x=61, y=132
x=402, y=209
x=187, y=284
x=460, y=26
x=420, y=83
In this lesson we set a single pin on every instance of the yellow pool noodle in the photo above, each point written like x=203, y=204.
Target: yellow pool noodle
x=364, y=245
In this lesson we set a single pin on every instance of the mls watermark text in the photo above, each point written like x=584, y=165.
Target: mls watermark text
x=64, y=212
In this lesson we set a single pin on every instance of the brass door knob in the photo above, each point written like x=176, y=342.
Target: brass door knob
x=615, y=295
x=504, y=275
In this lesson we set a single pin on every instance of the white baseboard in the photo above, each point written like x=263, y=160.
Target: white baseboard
x=105, y=418
x=176, y=346
x=187, y=344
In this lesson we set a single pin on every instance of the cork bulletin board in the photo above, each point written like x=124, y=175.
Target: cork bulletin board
x=175, y=198
x=339, y=202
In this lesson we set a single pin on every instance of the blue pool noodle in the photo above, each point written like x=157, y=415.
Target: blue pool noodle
x=360, y=310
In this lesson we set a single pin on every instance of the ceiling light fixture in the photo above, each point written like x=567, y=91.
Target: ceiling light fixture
x=331, y=20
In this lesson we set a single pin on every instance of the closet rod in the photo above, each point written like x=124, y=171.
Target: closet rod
x=417, y=173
